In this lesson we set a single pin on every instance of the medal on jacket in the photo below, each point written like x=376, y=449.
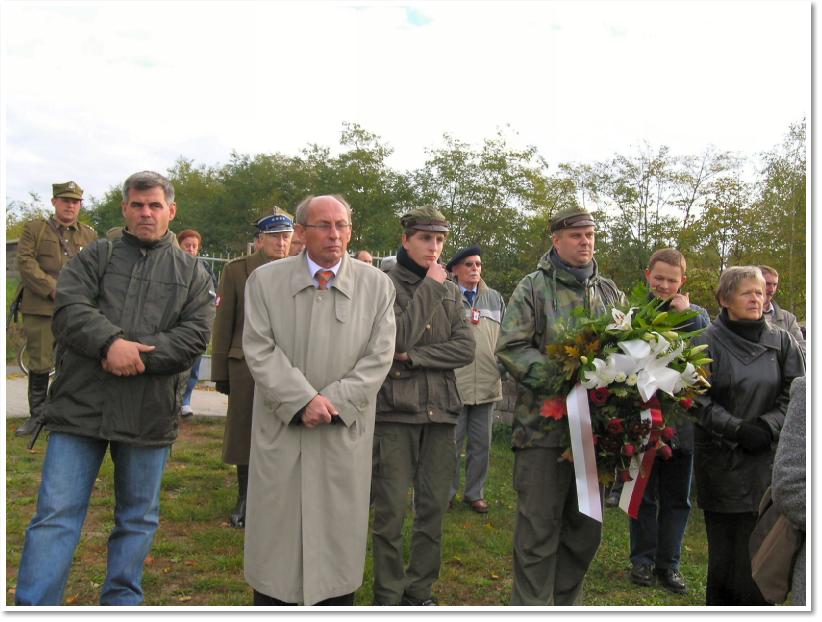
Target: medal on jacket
x=475, y=316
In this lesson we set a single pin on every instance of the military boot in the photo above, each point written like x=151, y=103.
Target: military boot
x=237, y=516
x=38, y=389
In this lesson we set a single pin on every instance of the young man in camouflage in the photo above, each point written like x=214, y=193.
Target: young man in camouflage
x=45, y=246
x=553, y=542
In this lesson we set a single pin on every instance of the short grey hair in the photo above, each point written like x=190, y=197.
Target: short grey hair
x=732, y=277
x=302, y=209
x=146, y=180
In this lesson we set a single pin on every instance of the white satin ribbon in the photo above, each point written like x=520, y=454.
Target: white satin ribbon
x=582, y=446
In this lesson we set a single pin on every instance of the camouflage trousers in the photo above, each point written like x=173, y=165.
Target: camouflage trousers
x=553, y=543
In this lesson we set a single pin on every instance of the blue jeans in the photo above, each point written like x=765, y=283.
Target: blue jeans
x=657, y=532
x=193, y=378
x=69, y=470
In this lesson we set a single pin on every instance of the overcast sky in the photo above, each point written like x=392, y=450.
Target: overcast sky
x=95, y=91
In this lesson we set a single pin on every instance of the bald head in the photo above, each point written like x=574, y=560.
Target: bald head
x=324, y=224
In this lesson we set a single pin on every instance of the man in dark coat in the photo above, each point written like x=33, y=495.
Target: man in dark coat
x=131, y=315
x=228, y=367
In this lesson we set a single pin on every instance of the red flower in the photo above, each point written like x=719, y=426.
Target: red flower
x=599, y=396
x=667, y=433
x=553, y=408
x=615, y=426
x=686, y=403
x=628, y=450
x=625, y=476
x=664, y=451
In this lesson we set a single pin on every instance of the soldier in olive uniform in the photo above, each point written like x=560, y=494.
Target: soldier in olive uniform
x=228, y=367
x=417, y=410
x=553, y=542
x=44, y=248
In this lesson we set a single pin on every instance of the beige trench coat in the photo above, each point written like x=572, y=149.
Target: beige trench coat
x=308, y=489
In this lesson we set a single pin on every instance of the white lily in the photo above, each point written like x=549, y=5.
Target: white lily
x=616, y=367
x=601, y=376
x=688, y=378
x=622, y=321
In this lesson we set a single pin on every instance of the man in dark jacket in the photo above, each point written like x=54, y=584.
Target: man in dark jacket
x=658, y=530
x=554, y=542
x=775, y=314
x=131, y=316
x=417, y=410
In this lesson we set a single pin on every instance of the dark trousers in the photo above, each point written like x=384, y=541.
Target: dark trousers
x=658, y=530
x=263, y=600
x=729, y=562
x=421, y=455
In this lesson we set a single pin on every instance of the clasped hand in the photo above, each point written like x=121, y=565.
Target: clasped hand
x=318, y=411
x=123, y=357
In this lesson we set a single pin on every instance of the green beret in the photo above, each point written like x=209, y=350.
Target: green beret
x=68, y=190
x=571, y=217
x=427, y=218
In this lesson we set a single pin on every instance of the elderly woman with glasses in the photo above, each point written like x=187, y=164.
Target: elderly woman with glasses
x=738, y=426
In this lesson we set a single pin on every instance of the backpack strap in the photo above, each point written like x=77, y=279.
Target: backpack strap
x=102, y=264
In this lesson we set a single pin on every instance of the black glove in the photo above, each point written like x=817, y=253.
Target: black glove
x=754, y=437
x=223, y=387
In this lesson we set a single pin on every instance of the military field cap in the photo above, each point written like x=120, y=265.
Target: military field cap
x=68, y=190
x=427, y=218
x=571, y=217
x=274, y=224
x=471, y=251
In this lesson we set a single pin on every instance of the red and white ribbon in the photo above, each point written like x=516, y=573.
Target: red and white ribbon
x=642, y=464
x=582, y=446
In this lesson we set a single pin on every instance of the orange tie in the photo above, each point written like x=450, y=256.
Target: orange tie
x=323, y=277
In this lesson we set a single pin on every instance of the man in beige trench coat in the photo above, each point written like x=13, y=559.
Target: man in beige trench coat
x=319, y=340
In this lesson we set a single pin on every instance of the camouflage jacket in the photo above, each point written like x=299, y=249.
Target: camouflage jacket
x=529, y=326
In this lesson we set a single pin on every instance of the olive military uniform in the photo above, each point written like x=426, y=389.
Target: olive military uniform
x=227, y=360
x=229, y=370
x=45, y=246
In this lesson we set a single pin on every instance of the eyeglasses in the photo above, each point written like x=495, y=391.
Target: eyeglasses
x=471, y=264
x=325, y=227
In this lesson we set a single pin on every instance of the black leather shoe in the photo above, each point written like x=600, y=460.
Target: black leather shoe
x=671, y=580
x=612, y=500
x=410, y=601
x=642, y=574
x=237, y=517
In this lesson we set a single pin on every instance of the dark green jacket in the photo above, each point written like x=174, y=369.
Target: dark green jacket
x=529, y=326
x=431, y=328
x=155, y=294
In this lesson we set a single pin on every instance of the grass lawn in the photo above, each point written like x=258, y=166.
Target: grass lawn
x=197, y=558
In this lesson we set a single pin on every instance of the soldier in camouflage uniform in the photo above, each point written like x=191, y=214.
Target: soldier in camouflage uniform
x=553, y=542
x=45, y=246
